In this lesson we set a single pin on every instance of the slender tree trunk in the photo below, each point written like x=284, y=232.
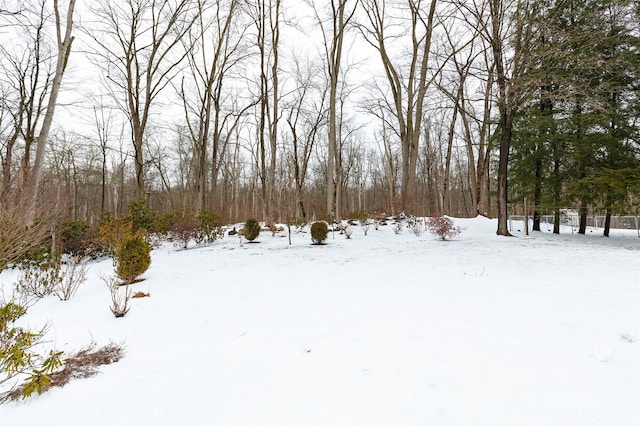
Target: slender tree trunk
x=537, y=194
x=64, y=41
x=334, y=60
x=446, y=192
x=607, y=223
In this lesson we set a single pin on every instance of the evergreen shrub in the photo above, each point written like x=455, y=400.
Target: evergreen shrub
x=77, y=238
x=17, y=355
x=319, y=231
x=142, y=217
x=209, y=227
x=133, y=258
x=251, y=229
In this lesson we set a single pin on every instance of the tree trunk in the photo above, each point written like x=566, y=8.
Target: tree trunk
x=607, y=223
x=502, y=194
x=537, y=194
x=64, y=50
x=446, y=196
x=582, y=228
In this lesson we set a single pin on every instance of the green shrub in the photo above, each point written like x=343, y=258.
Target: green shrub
x=35, y=257
x=39, y=278
x=251, y=230
x=17, y=353
x=209, y=227
x=142, y=218
x=166, y=221
x=77, y=238
x=361, y=216
x=133, y=258
x=319, y=231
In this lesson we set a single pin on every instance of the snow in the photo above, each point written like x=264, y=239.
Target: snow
x=376, y=330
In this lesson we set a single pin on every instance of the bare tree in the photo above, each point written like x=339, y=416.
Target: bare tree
x=407, y=93
x=506, y=26
x=137, y=46
x=27, y=69
x=103, y=121
x=466, y=49
x=267, y=17
x=306, y=114
x=64, y=40
x=333, y=34
x=215, y=49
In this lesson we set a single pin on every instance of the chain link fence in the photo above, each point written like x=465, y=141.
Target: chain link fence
x=572, y=219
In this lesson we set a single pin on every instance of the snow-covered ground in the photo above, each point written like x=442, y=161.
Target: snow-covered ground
x=378, y=330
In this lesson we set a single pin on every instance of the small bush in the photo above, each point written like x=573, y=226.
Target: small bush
x=77, y=238
x=299, y=223
x=73, y=274
x=17, y=355
x=365, y=224
x=209, y=227
x=112, y=230
x=251, y=230
x=361, y=216
x=442, y=226
x=319, y=231
x=416, y=225
x=83, y=364
x=53, y=276
x=398, y=227
x=167, y=220
x=142, y=217
x=133, y=258
x=119, y=300
x=182, y=232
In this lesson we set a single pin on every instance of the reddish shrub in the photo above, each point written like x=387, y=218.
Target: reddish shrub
x=442, y=226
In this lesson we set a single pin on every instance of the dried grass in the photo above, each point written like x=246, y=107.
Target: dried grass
x=140, y=294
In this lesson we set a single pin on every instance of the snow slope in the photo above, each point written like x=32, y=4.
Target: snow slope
x=377, y=330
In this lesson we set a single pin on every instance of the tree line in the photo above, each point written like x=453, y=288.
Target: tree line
x=316, y=109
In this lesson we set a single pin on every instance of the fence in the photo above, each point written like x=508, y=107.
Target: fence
x=573, y=220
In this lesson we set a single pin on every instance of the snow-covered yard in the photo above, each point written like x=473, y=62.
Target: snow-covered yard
x=377, y=330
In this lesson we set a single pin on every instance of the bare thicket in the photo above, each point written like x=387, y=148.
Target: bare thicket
x=442, y=226
x=36, y=280
x=54, y=275
x=19, y=236
x=73, y=272
x=119, y=298
x=416, y=225
x=365, y=224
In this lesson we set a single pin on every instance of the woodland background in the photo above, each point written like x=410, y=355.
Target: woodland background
x=291, y=111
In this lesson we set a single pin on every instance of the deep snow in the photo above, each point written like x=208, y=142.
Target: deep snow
x=383, y=329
